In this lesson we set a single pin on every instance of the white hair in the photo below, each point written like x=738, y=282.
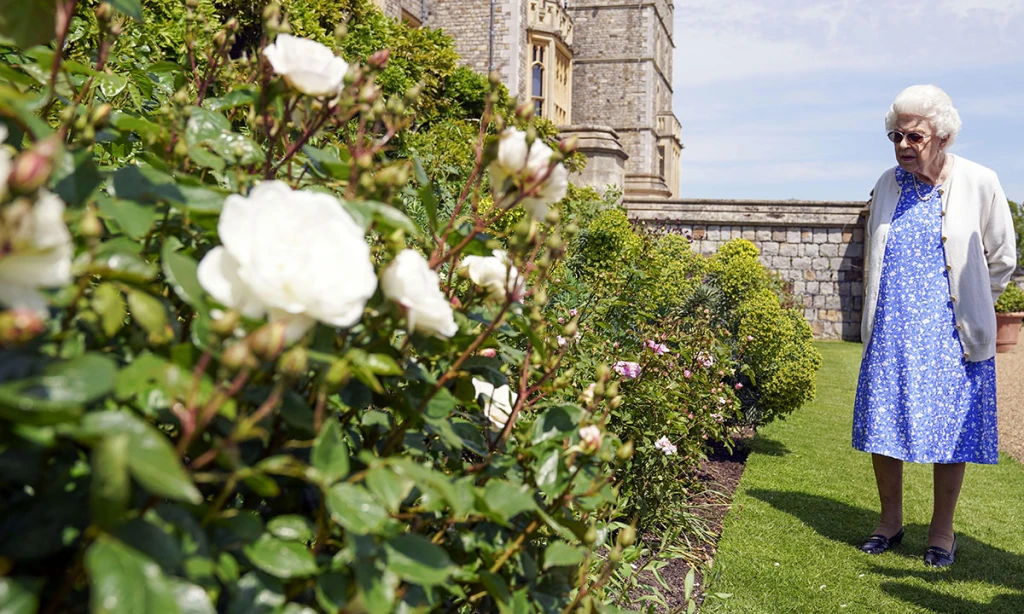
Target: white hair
x=931, y=103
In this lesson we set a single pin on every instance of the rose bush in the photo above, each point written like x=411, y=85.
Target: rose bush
x=254, y=383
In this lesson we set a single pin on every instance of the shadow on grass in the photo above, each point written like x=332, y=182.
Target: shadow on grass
x=768, y=447
x=1007, y=603
x=976, y=560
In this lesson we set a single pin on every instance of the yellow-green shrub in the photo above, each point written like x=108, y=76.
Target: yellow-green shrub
x=776, y=346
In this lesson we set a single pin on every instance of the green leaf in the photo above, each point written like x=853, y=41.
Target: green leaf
x=119, y=259
x=237, y=97
x=149, y=313
x=561, y=554
x=508, y=499
x=108, y=303
x=19, y=596
x=555, y=422
x=291, y=527
x=134, y=218
x=153, y=385
x=111, y=84
x=688, y=583
x=366, y=212
x=258, y=593
x=426, y=194
x=383, y=364
x=76, y=177
x=330, y=454
x=111, y=488
x=377, y=588
x=441, y=405
x=59, y=392
x=548, y=473
x=152, y=459
x=124, y=581
x=132, y=8
x=191, y=599
x=206, y=159
x=146, y=184
x=415, y=559
x=333, y=591
x=206, y=127
x=149, y=132
x=28, y=23
x=353, y=508
x=328, y=163
x=281, y=559
x=389, y=488
x=182, y=273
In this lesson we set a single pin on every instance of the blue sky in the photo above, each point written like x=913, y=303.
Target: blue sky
x=787, y=98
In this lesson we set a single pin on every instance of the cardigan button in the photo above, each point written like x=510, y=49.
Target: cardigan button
x=952, y=298
x=967, y=355
x=944, y=238
x=959, y=326
x=949, y=267
x=942, y=191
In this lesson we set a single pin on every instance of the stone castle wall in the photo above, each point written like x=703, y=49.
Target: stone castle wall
x=469, y=24
x=622, y=76
x=817, y=248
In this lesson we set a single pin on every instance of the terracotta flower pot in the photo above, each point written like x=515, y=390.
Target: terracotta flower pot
x=1007, y=330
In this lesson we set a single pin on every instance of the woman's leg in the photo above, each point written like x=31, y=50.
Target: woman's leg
x=948, y=480
x=889, y=476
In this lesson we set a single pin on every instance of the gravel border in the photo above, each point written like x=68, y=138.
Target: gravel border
x=1010, y=388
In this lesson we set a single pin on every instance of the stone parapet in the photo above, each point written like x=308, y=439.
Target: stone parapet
x=606, y=160
x=815, y=247
x=550, y=16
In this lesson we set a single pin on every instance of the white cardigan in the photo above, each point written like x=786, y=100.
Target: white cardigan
x=979, y=245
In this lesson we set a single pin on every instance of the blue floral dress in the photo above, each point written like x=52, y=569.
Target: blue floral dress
x=918, y=399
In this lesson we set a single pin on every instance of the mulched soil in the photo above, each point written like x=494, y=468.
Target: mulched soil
x=1010, y=387
x=720, y=474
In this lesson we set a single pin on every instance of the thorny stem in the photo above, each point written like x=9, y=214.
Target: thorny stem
x=64, y=12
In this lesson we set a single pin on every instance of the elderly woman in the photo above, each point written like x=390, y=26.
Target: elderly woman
x=940, y=251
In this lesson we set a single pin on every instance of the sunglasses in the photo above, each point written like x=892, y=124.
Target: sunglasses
x=912, y=137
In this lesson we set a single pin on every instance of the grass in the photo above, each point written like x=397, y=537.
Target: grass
x=807, y=499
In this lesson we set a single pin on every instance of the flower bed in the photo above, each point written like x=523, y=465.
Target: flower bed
x=257, y=356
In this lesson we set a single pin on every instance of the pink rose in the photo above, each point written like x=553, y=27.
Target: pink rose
x=658, y=348
x=739, y=386
x=687, y=374
x=628, y=370
x=488, y=352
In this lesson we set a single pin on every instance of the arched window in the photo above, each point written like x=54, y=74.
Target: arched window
x=537, y=78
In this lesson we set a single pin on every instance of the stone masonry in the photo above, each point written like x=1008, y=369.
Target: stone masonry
x=621, y=74
x=817, y=248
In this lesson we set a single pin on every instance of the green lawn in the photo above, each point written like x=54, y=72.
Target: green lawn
x=807, y=499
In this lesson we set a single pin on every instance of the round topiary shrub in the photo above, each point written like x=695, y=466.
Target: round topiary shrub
x=1012, y=300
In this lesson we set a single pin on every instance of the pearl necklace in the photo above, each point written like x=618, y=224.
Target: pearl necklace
x=918, y=192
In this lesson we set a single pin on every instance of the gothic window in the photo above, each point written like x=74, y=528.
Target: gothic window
x=550, y=79
x=661, y=161
x=537, y=78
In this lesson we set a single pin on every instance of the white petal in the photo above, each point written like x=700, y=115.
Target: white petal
x=18, y=296
x=236, y=218
x=37, y=269
x=512, y=152
x=297, y=325
x=218, y=275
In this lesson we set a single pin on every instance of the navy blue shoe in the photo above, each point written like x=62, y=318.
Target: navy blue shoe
x=877, y=544
x=940, y=557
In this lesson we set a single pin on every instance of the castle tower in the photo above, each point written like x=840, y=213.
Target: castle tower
x=599, y=69
x=622, y=78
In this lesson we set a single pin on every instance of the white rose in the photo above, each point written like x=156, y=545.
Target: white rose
x=6, y=163
x=590, y=438
x=35, y=251
x=530, y=165
x=410, y=282
x=496, y=275
x=497, y=402
x=306, y=65
x=297, y=256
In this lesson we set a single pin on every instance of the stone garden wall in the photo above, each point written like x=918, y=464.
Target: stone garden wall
x=817, y=248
